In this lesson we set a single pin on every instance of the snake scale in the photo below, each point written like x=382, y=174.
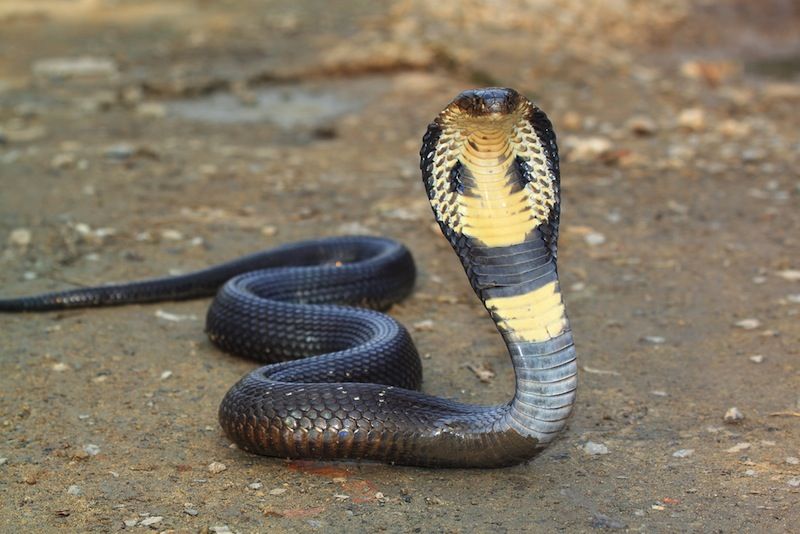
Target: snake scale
x=342, y=382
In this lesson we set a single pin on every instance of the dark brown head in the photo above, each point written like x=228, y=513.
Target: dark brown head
x=487, y=101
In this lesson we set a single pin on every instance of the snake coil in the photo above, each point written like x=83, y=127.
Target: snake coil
x=342, y=382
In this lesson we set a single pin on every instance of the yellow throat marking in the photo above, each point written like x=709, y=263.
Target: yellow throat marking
x=495, y=210
x=534, y=316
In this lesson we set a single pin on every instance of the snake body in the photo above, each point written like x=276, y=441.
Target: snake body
x=343, y=382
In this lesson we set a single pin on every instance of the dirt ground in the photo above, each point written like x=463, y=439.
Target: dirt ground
x=139, y=138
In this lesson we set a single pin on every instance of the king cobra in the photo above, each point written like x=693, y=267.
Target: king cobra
x=342, y=382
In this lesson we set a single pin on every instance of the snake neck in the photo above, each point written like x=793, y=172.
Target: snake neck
x=490, y=166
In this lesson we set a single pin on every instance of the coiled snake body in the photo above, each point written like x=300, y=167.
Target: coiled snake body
x=342, y=382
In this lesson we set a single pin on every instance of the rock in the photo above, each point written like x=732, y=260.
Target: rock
x=151, y=110
x=483, y=371
x=277, y=491
x=152, y=520
x=583, y=149
x=74, y=490
x=216, y=467
x=732, y=128
x=594, y=239
x=654, y=340
x=63, y=161
x=604, y=521
x=91, y=449
x=739, y=447
x=693, y=119
x=23, y=134
x=593, y=448
x=748, y=324
x=60, y=367
x=683, y=453
x=20, y=237
x=756, y=358
x=791, y=460
x=425, y=325
x=83, y=66
x=171, y=235
x=269, y=230
x=733, y=416
x=255, y=485
x=794, y=482
x=711, y=72
x=792, y=275
x=641, y=125
x=130, y=522
x=120, y=151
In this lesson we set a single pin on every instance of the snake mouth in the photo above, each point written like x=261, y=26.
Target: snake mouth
x=490, y=102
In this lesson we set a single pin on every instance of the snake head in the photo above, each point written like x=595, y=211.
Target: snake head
x=487, y=101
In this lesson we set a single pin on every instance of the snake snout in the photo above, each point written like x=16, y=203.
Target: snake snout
x=487, y=101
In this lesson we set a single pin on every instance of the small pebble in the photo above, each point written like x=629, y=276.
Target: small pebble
x=216, y=467
x=255, y=485
x=4, y=461
x=120, y=151
x=748, y=324
x=172, y=235
x=654, y=340
x=174, y=317
x=733, y=416
x=220, y=529
x=739, y=447
x=756, y=358
x=20, y=237
x=586, y=148
x=165, y=375
x=594, y=239
x=424, y=326
x=794, y=298
x=152, y=520
x=693, y=119
x=60, y=367
x=794, y=482
x=63, y=161
x=277, y=491
x=130, y=522
x=602, y=521
x=74, y=490
x=792, y=275
x=642, y=125
x=91, y=449
x=683, y=453
x=81, y=66
x=190, y=511
x=750, y=472
x=595, y=448
x=151, y=110
x=791, y=460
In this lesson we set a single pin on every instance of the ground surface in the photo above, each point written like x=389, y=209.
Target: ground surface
x=198, y=131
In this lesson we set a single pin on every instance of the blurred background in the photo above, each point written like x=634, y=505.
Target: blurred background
x=139, y=138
